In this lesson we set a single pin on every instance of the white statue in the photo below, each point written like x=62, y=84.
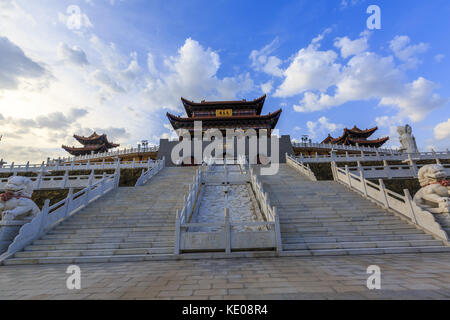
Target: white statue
x=407, y=140
x=16, y=203
x=434, y=195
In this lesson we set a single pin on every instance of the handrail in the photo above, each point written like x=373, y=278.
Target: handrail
x=401, y=204
x=270, y=213
x=376, y=156
x=52, y=215
x=392, y=171
x=72, y=166
x=124, y=151
x=300, y=167
x=190, y=206
x=151, y=171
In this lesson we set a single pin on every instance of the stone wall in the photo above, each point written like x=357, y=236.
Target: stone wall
x=166, y=146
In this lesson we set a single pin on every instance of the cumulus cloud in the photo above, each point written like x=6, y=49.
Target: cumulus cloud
x=307, y=70
x=321, y=127
x=263, y=61
x=105, y=82
x=73, y=55
x=75, y=19
x=416, y=99
x=407, y=52
x=15, y=65
x=365, y=76
x=151, y=64
x=351, y=47
x=267, y=87
x=442, y=130
x=348, y=3
x=57, y=121
x=133, y=69
x=439, y=57
x=192, y=73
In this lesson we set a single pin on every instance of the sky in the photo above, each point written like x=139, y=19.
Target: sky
x=118, y=66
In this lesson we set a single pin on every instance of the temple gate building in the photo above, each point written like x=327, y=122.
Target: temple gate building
x=357, y=137
x=93, y=144
x=225, y=115
x=239, y=115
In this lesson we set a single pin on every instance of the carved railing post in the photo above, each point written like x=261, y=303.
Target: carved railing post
x=408, y=202
x=227, y=231
x=277, y=229
x=44, y=212
x=347, y=173
x=363, y=182
x=383, y=193
x=68, y=202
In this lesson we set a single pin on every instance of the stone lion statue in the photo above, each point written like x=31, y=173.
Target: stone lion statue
x=434, y=195
x=16, y=203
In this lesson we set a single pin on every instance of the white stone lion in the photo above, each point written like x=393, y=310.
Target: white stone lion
x=16, y=203
x=434, y=195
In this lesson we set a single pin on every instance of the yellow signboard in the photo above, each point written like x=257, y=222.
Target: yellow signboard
x=224, y=112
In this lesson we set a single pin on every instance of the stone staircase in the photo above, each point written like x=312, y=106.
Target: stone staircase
x=326, y=218
x=128, y=224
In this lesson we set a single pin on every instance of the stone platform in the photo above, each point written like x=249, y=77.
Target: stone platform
x=404, y=276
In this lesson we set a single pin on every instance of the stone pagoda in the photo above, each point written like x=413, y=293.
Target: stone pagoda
x=224, y=115
x=356, y=136
x=95, y=143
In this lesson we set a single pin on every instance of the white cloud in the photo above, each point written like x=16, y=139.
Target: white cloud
x=105, y=82
x=133, y=69
x=439, y=57
x=442, y=130
x=347, y=3
x=267, y=87
x=307, y=70
x=16, y=66
x=264, y=62
x=351, y=47
x=416, y=99
x=322, y=127
x=366, y=76
x=405, y=52
x=74, y=55
x=151, y=64
x=75, y=19
x=192, y=74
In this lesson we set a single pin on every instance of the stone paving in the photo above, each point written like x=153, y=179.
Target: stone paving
x=407, y=276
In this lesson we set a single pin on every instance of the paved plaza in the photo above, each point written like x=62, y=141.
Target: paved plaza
x=403, y=276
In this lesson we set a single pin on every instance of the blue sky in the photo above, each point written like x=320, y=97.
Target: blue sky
x=125, y=63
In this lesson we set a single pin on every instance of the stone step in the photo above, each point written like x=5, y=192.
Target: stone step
x=367, y=244
x=93, y=252
x=344, y=228
x=287, y=239
x=325, y=223
x=107, y=245
x=87, y=230
x=113, y=239
x=368, y=251
x=111, y=225
x=353, y=233
x=87, y=259
x=109, y=235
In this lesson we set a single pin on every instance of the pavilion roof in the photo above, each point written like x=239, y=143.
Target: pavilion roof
x=271, y=119
x=256, y=104
x=95, y=139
